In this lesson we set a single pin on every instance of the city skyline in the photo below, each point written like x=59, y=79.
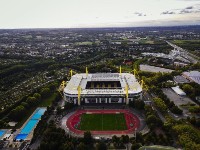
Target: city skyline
x=95, y=13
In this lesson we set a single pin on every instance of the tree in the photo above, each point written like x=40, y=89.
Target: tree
x=25, y=104
x=188, y=88
x=160, y=104
x=16, y=113
x=45, y=92
x=115, y=139
x=139, y=104
x=59, y=110
x=37, y=96
x=87, y=137
x=193, y=120
x=68, y=146
x=194, y=109
x=68, y=105
x=135, y=146
x=82, y=146
x=176, y=110
x=198, y=122
x=101, y=146
x=151, y=119
x=3, y=124
x=31, y=101
x=53, y=86
x=124, y=139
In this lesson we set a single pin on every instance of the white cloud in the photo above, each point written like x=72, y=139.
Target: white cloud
x=86, y=13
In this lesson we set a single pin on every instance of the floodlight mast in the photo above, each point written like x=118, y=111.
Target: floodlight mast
x=79, y=95
x=126, y=89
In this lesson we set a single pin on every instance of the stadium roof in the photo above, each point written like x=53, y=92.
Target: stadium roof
x=82, y=79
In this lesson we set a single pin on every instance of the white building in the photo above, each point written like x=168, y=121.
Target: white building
x=102, y=88
x=178, y=91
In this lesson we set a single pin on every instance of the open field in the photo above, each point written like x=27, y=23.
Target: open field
x=145, y=41
x=83, y=43
x=154, y=69
x=100, y=122
x=188, y=44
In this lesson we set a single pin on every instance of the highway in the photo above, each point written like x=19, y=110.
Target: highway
x=184, y=53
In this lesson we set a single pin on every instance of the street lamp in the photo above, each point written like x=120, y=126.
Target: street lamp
x=135, y=134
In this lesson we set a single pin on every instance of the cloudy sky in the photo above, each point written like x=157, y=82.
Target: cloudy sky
x=97, y=13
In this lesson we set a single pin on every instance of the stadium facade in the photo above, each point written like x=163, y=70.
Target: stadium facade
x=102, y=88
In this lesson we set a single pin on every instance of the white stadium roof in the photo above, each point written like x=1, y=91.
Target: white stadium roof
x=82, y=79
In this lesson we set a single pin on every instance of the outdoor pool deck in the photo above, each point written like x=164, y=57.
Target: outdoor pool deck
x=2, y=133
x=31, y=123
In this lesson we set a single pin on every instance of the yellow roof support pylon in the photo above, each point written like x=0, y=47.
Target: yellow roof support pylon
x=86, y=71
x=71, y=72
x=120, y=70
x=79, y=95
x=126, y=90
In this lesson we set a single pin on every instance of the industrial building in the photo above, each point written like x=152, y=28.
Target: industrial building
x=193, y=76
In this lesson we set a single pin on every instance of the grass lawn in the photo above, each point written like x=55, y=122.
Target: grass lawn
x=103, y=122
x=157, y=147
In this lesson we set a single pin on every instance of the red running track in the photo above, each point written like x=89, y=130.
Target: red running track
x=132, y=121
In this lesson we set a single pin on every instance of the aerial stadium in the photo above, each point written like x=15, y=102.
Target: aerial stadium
x=102, y=88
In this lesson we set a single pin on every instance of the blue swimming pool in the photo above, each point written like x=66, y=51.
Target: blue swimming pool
x=21, y=136
x=31, y=124
x=39, y=113
x=2, y=132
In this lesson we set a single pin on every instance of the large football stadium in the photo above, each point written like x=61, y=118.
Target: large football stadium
x=102, y=88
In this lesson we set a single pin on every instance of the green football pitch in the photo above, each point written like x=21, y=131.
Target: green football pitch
x=102, y=122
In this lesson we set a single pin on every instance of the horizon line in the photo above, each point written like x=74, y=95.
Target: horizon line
x=98, y=27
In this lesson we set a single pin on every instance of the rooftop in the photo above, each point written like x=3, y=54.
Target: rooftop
x=112, y=78
x=193, y=75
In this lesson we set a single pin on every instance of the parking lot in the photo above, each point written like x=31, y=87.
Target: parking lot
x=154, y=69
x=177, y=99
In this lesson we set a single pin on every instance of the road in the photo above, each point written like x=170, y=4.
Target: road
x=149, y=97
x=184, y=53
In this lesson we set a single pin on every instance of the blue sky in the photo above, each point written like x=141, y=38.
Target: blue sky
x=97, y=13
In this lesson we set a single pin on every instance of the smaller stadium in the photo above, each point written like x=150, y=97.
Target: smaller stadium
x=103, y=122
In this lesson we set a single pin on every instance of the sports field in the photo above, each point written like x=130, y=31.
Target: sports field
x=102, y=122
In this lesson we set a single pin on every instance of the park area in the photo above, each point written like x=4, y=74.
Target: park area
x=103, y=122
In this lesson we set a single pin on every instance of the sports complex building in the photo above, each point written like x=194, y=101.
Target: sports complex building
x=102, y=88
